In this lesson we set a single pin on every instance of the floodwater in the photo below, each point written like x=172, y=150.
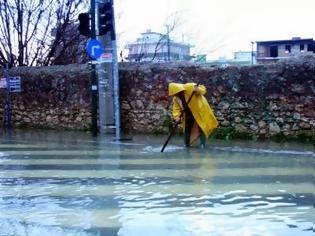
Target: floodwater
x=68, y=183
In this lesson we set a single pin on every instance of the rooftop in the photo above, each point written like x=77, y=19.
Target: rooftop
x=293, y=40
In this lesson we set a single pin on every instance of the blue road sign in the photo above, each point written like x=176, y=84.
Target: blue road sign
x=15, y=84
x=94, y=48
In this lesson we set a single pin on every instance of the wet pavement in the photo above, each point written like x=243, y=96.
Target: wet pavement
x=68, y=183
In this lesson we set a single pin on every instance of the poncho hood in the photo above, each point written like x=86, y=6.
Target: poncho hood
x=174, y=88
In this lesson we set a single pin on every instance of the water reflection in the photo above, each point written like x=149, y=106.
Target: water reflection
x=71, y=184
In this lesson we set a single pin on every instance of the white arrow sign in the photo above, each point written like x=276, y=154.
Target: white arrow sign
x=97, y=48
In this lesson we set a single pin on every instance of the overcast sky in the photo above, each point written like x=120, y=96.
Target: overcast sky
x=217, y=27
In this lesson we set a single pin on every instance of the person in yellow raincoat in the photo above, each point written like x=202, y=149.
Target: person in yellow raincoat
x=198, y=120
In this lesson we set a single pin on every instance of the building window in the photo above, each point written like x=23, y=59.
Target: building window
x=302, y=47
x=310, y=47
x=287, y=48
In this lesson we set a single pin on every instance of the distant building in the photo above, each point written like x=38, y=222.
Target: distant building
x=272, y=51
x=152, y=46
x=240, y=58
x=245, y=57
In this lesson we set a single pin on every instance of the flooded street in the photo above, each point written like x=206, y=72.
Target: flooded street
x=68, y=183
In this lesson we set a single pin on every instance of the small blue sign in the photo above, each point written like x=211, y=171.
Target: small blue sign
x=94, y=48
x=15, y=84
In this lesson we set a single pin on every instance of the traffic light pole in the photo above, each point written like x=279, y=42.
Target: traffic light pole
x=106, y=107
x=109, y=109
x=116, y=80
x=106, y=104
x=94, y=83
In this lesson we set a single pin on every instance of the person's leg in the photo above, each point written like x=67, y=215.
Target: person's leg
x=186, y=138
x=202, y=139
x=188, y=127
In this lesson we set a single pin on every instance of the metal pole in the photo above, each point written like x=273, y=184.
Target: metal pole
x=94, y=84
x=102, y=82
x=7, y=105
x=168, y=43
x=252, y=52
x=106, y=91
x=116, y=79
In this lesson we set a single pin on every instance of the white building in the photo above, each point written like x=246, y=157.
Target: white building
x=152, y=46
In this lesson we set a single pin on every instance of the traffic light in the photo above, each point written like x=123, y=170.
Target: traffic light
x=105, y=18
x=84, y=26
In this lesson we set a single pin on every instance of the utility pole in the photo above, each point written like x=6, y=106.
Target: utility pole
x=94, y=83
x=252, y=52
x=168, y=43
x=20, y=30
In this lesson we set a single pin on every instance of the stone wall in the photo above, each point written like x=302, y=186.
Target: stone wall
x=261, y=101
x=258, y=101
x=51, y=97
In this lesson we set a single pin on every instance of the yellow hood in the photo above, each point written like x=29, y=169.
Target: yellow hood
x=174, y=88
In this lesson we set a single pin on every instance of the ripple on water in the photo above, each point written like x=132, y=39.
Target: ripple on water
x=170, y=148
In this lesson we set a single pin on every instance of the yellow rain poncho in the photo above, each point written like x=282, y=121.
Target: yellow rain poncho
x=198, y=105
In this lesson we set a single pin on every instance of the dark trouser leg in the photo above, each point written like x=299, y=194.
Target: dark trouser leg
x=188, y=126
x=202, y=139
x=186, y=138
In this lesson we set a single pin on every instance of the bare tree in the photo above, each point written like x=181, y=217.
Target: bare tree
x=172, y=23
x=36, y=32
x=147, y=48
x=143, y=51
x=72, y=48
